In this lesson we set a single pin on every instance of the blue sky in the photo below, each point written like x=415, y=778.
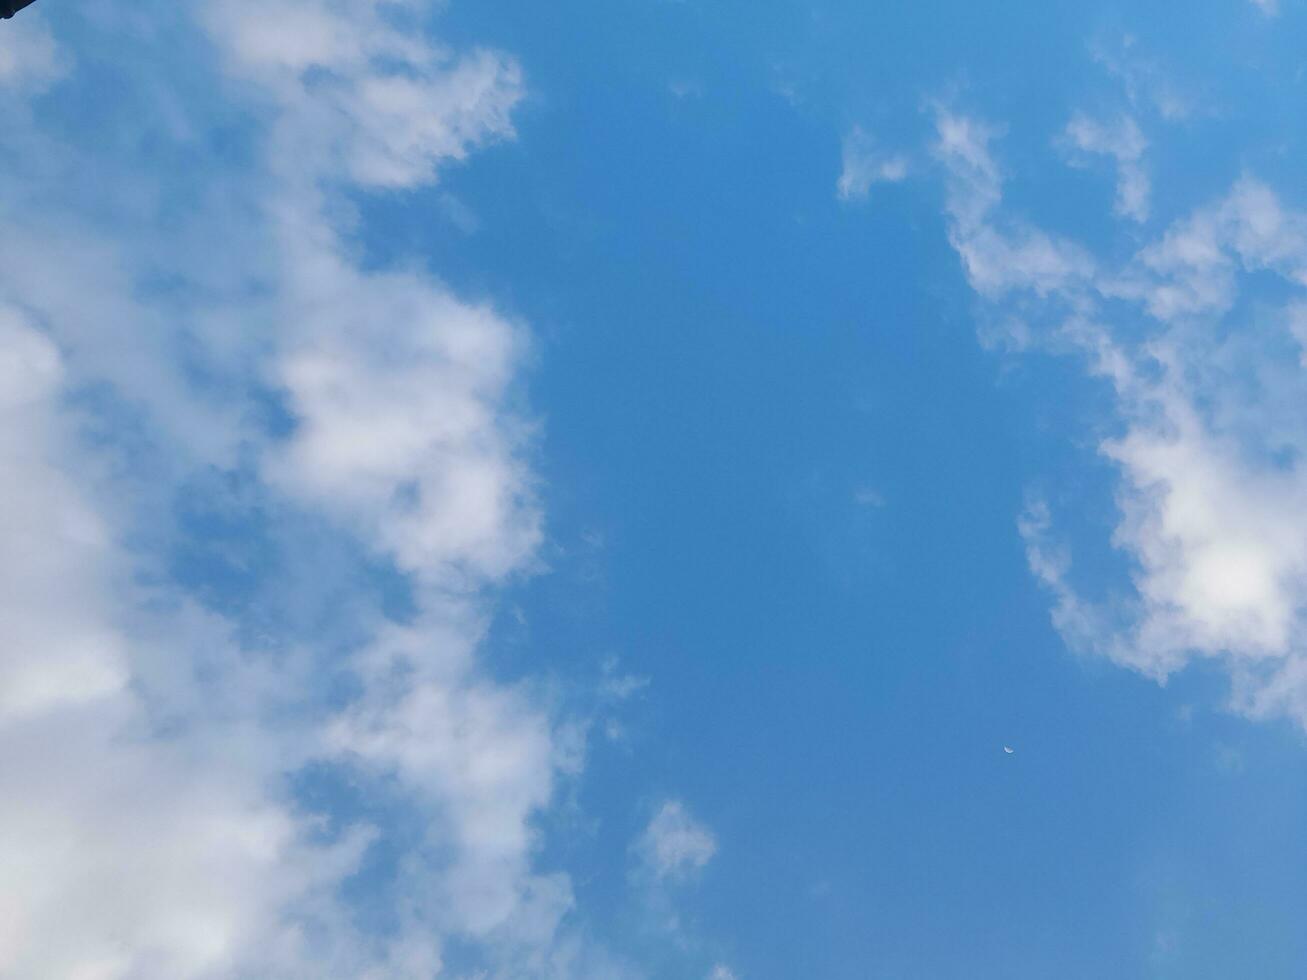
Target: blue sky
x=589, y=491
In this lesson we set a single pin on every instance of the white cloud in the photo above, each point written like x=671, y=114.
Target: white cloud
x=1148, y=85
x=1193, y=269
x=675, y=845
x=1216, y=525
x=1000, y=255
x=864, y=164
x=361, y=95
x=60, y=649
x=615, y=686
x=150, y=741
x=123, y=854
x=481, y=759
x=975, y=184
x=398, y=388
x=1050, y=563
x=396, y=385
x=399, y=391
x=1121, y=140
x=1211, y=484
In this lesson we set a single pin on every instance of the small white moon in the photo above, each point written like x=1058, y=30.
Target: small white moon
x=1008, y=749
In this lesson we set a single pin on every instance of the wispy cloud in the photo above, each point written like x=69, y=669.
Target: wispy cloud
x=1121, y=140
x=1000, y=254
x=675, y=845
x=1150, y=86
x=1211, y=487
x=865, y=164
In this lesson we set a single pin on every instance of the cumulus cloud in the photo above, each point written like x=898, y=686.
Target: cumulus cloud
x=397, y=389
x=1208, y=455
x=864, y=164
x=124, y=854
x=184, y=324
x=63, y=649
